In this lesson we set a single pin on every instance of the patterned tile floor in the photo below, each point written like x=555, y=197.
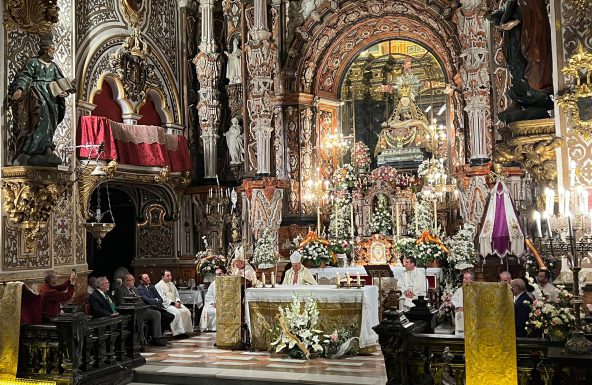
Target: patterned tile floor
x=197, y=356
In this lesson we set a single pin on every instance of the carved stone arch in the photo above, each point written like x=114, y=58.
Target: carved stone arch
x=118, y=92
x=331, y=37
x=160, y=104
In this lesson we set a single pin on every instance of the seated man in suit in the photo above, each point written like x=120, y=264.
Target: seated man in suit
x=182, y=324
x=100, y=302
x=298, y=274
x=150, y=296
x=53, y=294
x=151, y=316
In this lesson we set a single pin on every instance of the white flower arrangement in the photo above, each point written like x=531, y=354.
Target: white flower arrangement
x=431, y=169
x=300, y=324
x=462, y=248
x=381, y=221
x=265, y=255
x=339, y=220
x=315, y=253
x=344, y=177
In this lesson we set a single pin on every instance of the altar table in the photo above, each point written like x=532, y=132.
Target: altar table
x=337, y=308
x=330, y=272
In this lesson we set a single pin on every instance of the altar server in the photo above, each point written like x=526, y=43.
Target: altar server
x=182, y=324
x=412, y=285
x=298, y=274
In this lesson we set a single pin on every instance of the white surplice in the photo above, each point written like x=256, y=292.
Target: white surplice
x=414, y=280
x=182, y=323
x=459, y=314
x=208, y=314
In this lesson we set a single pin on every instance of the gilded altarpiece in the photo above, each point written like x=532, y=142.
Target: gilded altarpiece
x=327, y=124
x=155, y=236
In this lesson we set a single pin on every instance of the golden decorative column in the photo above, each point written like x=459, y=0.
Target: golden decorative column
x=10, y=319
x=228, y=312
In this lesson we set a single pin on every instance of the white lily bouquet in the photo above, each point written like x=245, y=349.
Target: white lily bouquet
x=265, y=255
x=296, y=334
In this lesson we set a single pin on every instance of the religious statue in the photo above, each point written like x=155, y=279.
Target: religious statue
x=40, y=106
x=234, y=141
x=527, y=50
x=234, y=67
x=401, y=129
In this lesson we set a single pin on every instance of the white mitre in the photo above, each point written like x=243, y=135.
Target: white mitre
x=239, y=254
x=296, y=257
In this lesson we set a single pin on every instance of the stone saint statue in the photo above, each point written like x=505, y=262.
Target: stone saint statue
x=234, y=141
x=40, y=106
x=527, y=50
x=234, y=68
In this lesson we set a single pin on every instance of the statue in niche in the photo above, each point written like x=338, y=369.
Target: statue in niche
x=527, y=50
x=234, y=67
x=39, y=102
x=407, y=120
x=234, y=141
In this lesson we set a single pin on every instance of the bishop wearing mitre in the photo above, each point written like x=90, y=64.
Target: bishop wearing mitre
x=240, y=267
x=298, y=274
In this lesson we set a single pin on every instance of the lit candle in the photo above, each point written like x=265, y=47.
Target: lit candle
x=435, y=218
x=272, y=278
x=398, y=220
x=347, y=279
x=358, y=281
x=584, y=202
x=352, y=221
x=549, y=201
x=263, y=279
x=338, y=280
x=537, y=219
x=416, y=219
x=319, y=220
x=561, y=201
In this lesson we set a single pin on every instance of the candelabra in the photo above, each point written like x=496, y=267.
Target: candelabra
x=218, y=205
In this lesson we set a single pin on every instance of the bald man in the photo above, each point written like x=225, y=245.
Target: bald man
x=505, y=277
x=522, y=304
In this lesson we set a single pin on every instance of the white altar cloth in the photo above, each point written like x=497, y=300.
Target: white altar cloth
x=367, y=295
x=329, y=272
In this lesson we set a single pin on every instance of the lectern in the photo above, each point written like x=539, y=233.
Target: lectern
x=380, y=272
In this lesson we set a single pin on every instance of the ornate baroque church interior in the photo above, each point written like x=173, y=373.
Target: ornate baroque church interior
x=308, y=191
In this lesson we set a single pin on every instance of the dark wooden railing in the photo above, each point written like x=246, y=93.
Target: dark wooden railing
x=413, y=359
x=75, y=349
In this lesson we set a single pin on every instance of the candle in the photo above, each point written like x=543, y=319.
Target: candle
x=416, y=219
x=347, y=279
x=549, y=201
x=358, y=282
x=572, y=173
x=566, y=203
x=561, y=201
x=548, y=220
x=217, y=180
x=352, y=221
x=537, y=219
x=398, y=220
x=319, y=220
x=337, y=280
x=584, y=202
x=272, y=278
x=263, y=279
x=435, y=218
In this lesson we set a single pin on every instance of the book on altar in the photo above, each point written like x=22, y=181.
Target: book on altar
x=60, y=86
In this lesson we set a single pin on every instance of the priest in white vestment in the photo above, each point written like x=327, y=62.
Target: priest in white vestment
x=240, y=267
x=412, y=284
x=208, y=313
x=182, y=323
x=457, y=301
x=298, y=274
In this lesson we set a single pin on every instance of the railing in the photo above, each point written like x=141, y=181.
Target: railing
x=75, y=349
x=437, y=359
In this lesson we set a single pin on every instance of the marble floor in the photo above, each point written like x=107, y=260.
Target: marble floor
x=195, y=358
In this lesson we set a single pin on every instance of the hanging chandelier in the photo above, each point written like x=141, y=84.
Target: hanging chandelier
x=97, y=228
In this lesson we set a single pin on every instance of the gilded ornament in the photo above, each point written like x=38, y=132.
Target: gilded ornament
x=577, y=101
x=163, y=175
x=33, y=16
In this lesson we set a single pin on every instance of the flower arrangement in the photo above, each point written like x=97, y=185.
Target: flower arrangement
x=462, y=248
x=386, y=174
x=431, y=169
x=344, y=177
x=429, y=249
x=340, y=219
x=296, y=334
x=404, y=180
x=381, y=221
x=207, y=263
x=341, y=247
x=553, y=318
x=423, y=218
x=446, y=307
x=361, y=155
x=314, y=254
x=265, y=255
x=406, y=247
x=340, y=342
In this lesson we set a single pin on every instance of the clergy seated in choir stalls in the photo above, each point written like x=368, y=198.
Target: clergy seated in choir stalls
x=150, y=296
x=151, y=317
x=412, y=285
x=240, y=267
x=100, y=302
x=167, y=290
x=53, y=294
x=208, y=315
x=298, y=274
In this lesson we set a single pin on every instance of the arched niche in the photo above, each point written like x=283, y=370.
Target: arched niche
x=115, y=90
x=154, y=103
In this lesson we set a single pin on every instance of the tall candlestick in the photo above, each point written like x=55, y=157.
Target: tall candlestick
x=352, y=221
x=416, y=218
x=347, y=279
x=319, y=220
x=566, y=204
x=398, y=220
x=358, y=281
x=272, y=278
x=537, y=219
x=338, y=280
x=549, y=201
x=435, y=218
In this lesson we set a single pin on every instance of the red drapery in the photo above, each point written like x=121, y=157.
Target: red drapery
x=97, y=130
